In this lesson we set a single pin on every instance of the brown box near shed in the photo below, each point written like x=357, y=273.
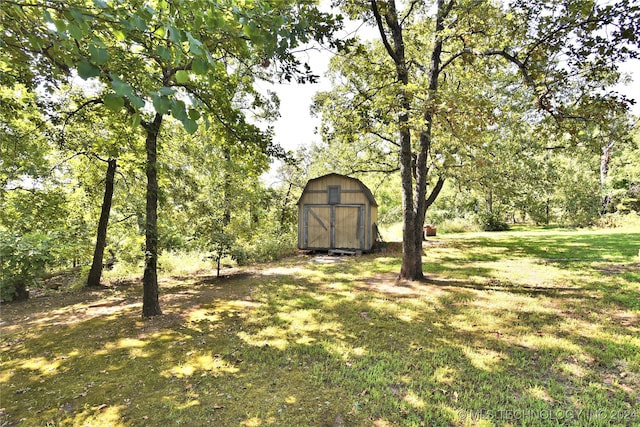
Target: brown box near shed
x=429, y=230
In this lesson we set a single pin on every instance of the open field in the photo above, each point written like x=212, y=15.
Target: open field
x=535, y=328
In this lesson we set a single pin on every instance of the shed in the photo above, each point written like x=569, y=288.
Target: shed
x=337, y=212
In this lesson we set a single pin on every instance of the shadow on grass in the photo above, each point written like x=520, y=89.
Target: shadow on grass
x=497, y=285
x=323, y=345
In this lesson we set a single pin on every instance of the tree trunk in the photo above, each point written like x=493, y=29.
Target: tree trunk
x=435, y=192
x=547, y=210
x=218, y=260
x=604, y=173
x=101, y=239
x=421, y=202
x=283, y=213
x=490, y=201
x=150, y=303
x=411, y=267
x=226, y=189
x=414, y=199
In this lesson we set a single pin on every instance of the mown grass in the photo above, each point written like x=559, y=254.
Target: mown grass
x=520, y=328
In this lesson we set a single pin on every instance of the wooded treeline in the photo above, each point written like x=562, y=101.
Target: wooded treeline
x=138, y=128
x=195, y=62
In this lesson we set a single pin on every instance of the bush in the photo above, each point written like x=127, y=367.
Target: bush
x=618, y=220
x=270, y=245
x=457, y=225
x=22, y=261
x=491, y=221
x=183, y=262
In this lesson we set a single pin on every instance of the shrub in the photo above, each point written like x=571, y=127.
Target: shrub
x=457, y=225
x=270, y=245
x=183, y=262
x=22, y=261
x=491, y=221
x=618, y=220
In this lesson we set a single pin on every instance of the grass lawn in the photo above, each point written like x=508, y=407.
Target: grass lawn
x=531, y=328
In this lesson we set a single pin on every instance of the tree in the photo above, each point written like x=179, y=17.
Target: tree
x=620, y=171
x=548, y=44
x=110, y=137
x=101, y=238
x=194, y=60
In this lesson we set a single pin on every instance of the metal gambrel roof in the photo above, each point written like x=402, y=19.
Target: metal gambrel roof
x=368, y=194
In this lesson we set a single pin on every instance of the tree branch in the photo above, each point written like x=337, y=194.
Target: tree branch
x=492, y=52
x=383, y=34
x=82, y=106
x=125, y=218
x=384, y=138
x=435, y=192
x=411, y=7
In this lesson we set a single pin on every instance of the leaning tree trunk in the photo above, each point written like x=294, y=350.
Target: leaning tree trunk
x=150, y=303
x=101, y=239
x=285, y=204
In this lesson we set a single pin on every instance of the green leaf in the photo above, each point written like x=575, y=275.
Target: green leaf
x=35, y=42
x=163, y=52
x=99, y=55
x=139, y=23
x=75, y=31
x=77, y=15
x=200, y=66
x=61, y=26
x=161, y=104
x=47, y=16
x=113, y=102
x=191, y=126
x=136, y=101
x=119, y=35
x=101, y=4
x=135, y=120
x=87, y=70
x=121, y=88
x=175, y=35
x=166, y=91
x=182, y=76
x=178, y=110
x=194, y=114
x=195, y=45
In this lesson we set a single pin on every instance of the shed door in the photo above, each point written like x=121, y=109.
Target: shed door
x=348, y=227
x=317, y=226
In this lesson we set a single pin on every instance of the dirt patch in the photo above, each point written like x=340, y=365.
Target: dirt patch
x=389, y=284
x=326, y=259
x=615, y=269
x=626, y=318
